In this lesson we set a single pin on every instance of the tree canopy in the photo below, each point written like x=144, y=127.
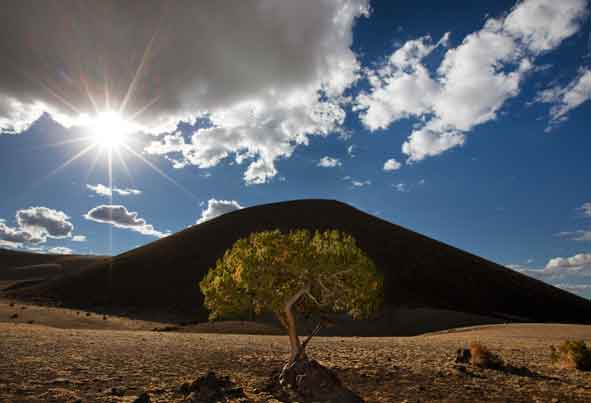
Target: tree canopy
x=264, y=270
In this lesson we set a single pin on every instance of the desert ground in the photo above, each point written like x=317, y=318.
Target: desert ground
x=65, y=355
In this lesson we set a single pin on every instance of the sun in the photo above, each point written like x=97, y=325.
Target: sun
x=109, y=129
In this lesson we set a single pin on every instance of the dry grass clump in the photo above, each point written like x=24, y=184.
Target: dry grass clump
x=482, y=357
x=572, y=354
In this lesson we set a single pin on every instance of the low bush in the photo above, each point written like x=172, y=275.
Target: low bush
x=482, y=357
x=572, y=354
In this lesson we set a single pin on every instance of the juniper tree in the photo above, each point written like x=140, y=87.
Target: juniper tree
x=277, y=272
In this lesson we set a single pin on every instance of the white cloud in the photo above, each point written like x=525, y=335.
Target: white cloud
x=543, y=24
x=216, y=208
x=351, y=150
x=574, y=288
x=35, y=225
x=577, y=92
x=401, y=187
x=360, y=183
x=118, y=216
x=264, y=50
x=586, y=208
x=472, y=82
x=329, y=162
x=581, y=261
x=43, y=222
x=79, y=238
x=391, y=165
x=268, y=78
x=60, y=250
x=571, y=273
x=579, y=235
x=103, y=190
x=17, y=236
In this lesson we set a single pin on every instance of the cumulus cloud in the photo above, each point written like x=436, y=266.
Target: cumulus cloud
x=401, y=187
x=473, y=80
x=574, y=288
x=103, y=190
x=15, y=235
x=392, y=165
x=266, y=74
x=329, y=162
x=35, y=225
x=579, y=235
x=577, y=92
x=586, y=209
x=360, y=183
x=60, y=250
x=572, y=273
x=217, y=208
x=579, y=262
x=351, y=150
x=118, y=216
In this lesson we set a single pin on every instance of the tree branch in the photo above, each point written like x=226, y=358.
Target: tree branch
x=309, y=294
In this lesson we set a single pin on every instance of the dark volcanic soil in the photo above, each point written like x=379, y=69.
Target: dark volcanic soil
x=41, y=363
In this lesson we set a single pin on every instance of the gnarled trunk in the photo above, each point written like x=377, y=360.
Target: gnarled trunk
x=287, y=318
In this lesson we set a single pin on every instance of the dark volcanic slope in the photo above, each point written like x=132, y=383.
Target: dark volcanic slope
x=17, y=265
x=418, y=270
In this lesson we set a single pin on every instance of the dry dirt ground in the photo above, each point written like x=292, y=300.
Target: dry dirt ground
x=116, y=359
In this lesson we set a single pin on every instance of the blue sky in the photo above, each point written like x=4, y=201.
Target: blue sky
x=465, y=121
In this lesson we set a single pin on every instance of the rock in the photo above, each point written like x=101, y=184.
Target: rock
x=14, y=316
x=184, y=388
x=118, y=390
x=211, y=388
x=308, y=381
x=143, y=398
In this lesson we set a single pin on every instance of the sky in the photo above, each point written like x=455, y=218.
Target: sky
x=122, y=123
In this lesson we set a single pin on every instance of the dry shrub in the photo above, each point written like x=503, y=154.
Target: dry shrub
x=572, y=354
x=482, y=357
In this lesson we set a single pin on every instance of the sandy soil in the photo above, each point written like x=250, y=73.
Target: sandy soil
x=93, y=364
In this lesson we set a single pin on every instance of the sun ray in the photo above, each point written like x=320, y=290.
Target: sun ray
x=88, y=93
x=137, y=74
x=159, y=171
x=144, y=108
x=68, y=162
x=92, y=165
x=124, y=165
x=61, y=143
x=61, y=167
x=53, y=93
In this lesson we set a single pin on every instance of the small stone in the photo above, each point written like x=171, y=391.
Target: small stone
x=14, y=316
x=118, y=390
x=143, y=398
x=184, y=388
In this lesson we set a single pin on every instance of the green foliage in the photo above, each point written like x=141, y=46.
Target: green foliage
x=262, y=271
x=572, y=354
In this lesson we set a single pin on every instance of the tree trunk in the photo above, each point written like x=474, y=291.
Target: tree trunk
x=294, y=342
